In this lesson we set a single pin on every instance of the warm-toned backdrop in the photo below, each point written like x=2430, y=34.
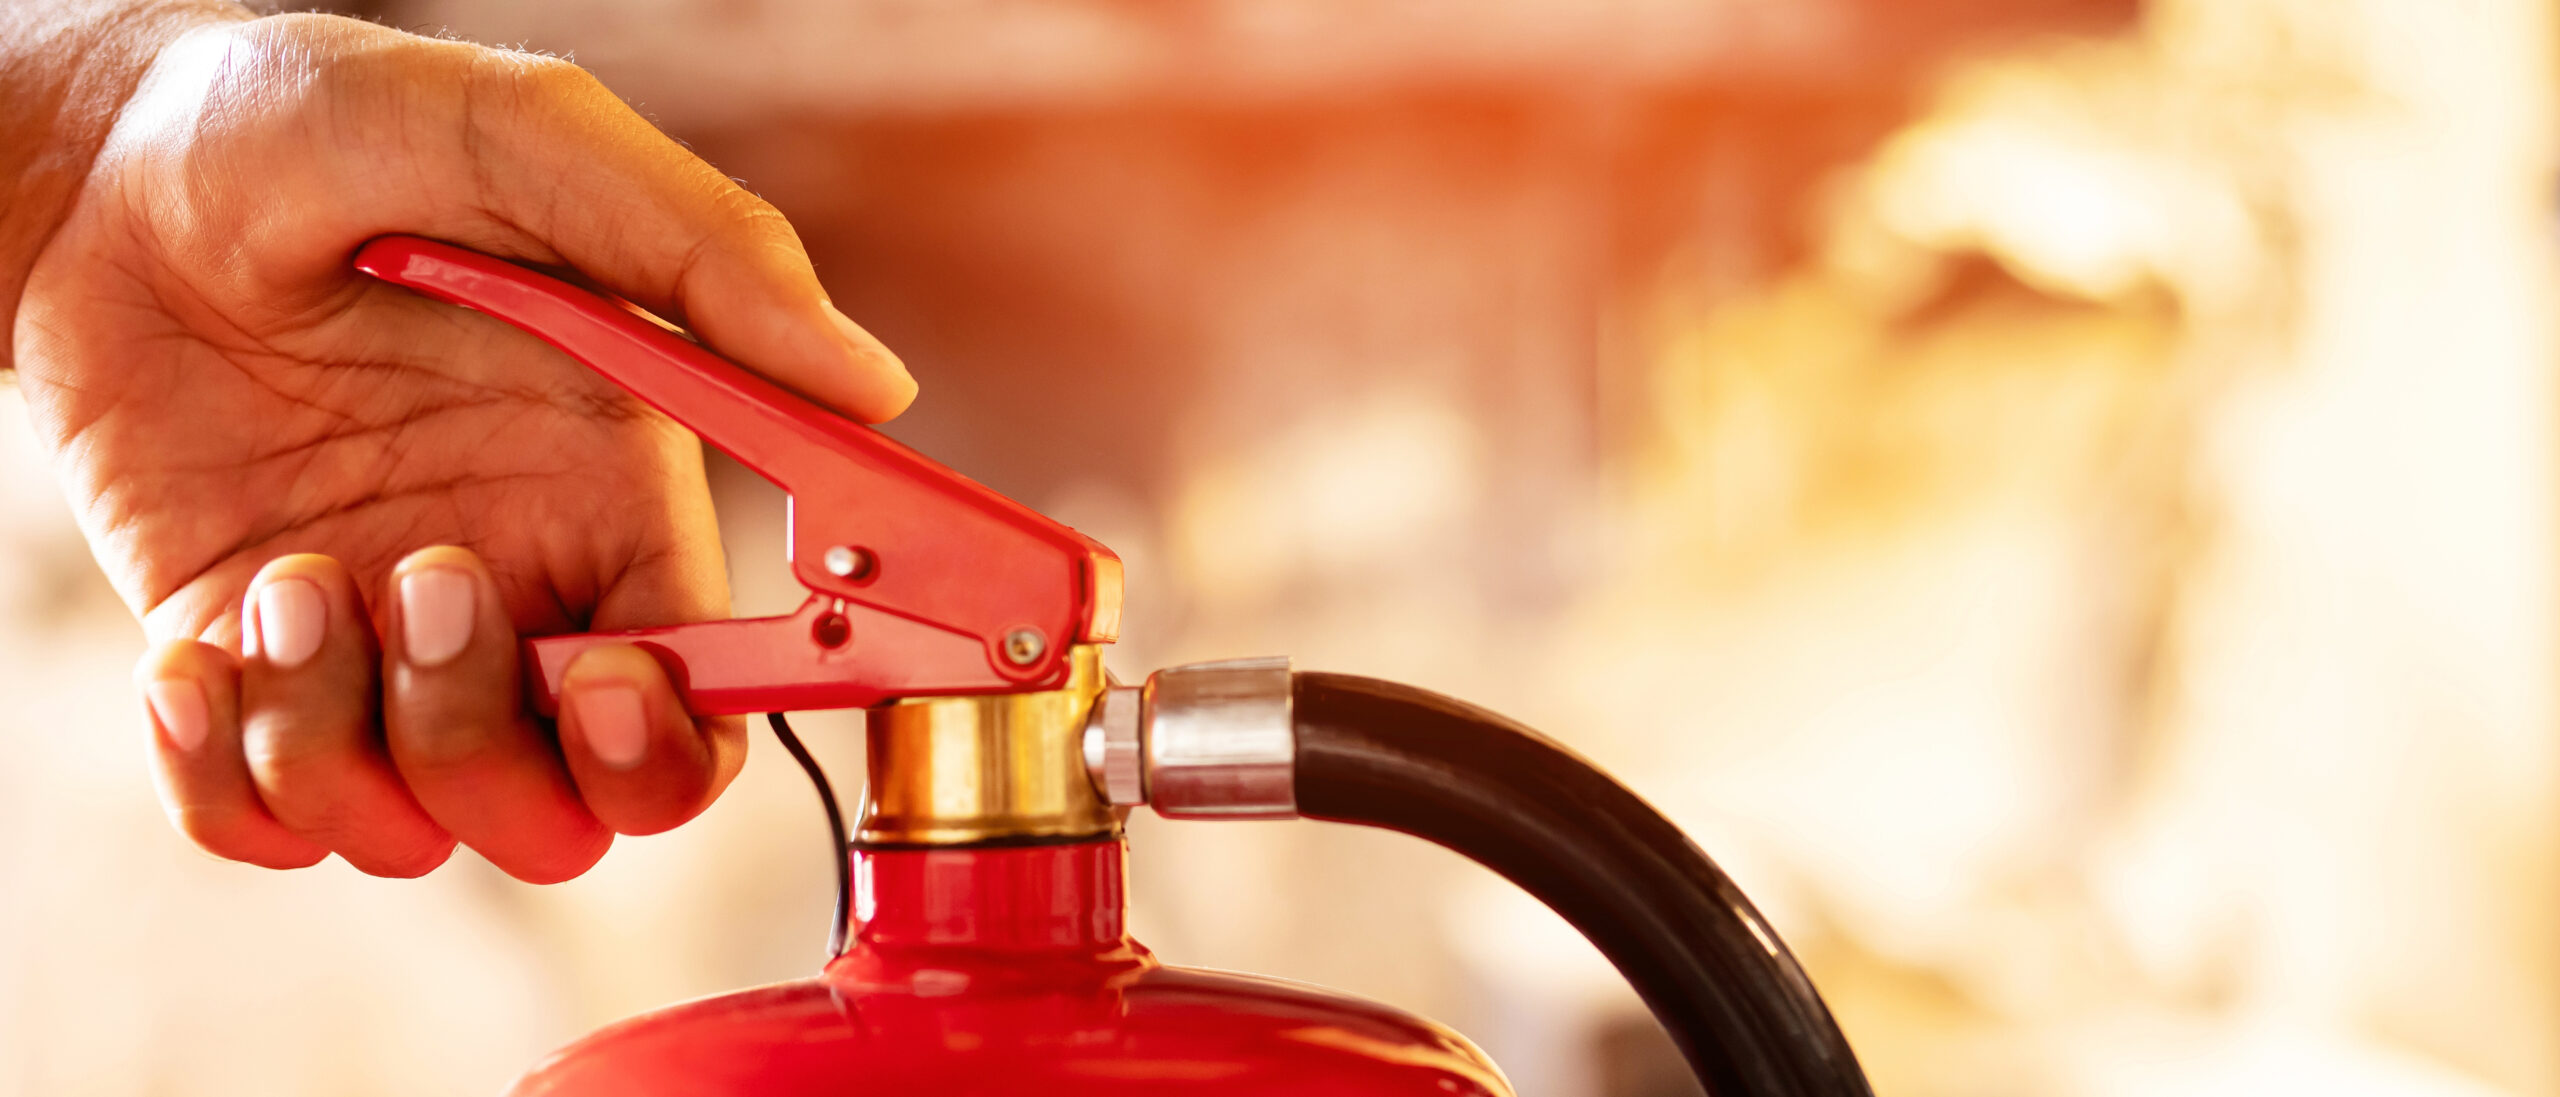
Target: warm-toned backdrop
x=2057, y=494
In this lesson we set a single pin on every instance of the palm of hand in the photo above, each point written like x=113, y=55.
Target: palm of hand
x=205, y=435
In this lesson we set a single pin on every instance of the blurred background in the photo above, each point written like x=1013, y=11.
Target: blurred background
x=2057, y=495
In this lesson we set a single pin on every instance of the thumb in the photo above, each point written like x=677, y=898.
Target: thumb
x=558, y=168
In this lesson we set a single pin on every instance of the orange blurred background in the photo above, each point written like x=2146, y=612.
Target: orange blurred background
x=2057, y=495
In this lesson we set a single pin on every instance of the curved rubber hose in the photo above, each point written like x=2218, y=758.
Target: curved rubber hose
x=1734, y=1000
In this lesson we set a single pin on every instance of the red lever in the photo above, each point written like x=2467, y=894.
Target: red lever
x=922, y=581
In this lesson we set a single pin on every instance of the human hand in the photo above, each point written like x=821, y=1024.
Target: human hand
x=335, y=504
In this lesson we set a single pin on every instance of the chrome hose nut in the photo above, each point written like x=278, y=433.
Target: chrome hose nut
x=1218, y=742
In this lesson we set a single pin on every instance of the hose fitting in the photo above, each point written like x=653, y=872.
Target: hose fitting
x=1203, y=741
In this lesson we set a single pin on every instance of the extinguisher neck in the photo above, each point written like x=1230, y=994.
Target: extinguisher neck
x=986, y=769
x=1068, y=897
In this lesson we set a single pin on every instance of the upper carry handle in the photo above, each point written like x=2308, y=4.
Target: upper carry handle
x=894, y=546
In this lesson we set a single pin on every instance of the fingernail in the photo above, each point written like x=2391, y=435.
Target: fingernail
x=614, y=724
x=178, y=703
x=291, y=618
x=435, y=615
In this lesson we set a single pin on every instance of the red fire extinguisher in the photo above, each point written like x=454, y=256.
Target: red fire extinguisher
x=979, y=944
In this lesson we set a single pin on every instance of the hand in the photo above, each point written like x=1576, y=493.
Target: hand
x=336, y=505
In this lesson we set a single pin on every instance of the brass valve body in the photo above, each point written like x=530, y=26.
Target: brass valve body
x=1007, y=766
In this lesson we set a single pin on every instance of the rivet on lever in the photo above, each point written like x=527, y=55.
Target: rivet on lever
x=848, y=562
x=831, y=631
x=1024, y=646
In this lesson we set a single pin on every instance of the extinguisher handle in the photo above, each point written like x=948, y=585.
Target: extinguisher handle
x=947, y=587
x=808, y=659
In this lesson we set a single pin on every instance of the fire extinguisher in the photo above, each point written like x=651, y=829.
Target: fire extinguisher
x=979, y=943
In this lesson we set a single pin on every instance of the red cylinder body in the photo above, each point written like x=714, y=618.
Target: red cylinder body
x=986, y=971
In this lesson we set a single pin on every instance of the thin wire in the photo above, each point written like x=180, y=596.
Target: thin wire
x=840, y=927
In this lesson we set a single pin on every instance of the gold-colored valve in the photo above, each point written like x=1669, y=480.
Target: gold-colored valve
x=961, y=770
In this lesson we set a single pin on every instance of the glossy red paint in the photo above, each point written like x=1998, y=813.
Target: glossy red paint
x=1009, y=971
x=947, y=571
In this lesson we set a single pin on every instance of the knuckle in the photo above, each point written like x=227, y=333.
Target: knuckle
x=328, y=820
x=311, y=786
x=752, y=223
x=547, y=71
x=667, y=805
x=404, y=863
x=291, y=763
x=739, y=232
x=332, y=62
x=523, y=80
x=555, y=862
x=233, y=833
x=281, y=77
x=429, y=746
x=746, y=211
x=215, y=830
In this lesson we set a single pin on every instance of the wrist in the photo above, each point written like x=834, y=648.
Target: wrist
x=66, y=68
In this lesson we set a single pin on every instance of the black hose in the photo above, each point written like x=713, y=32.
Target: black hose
x=1717, y=977
x=839, y=928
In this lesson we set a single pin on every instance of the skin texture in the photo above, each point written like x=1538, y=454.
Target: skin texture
x=261, y=445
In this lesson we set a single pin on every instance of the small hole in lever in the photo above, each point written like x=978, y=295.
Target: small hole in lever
x=831, y=631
